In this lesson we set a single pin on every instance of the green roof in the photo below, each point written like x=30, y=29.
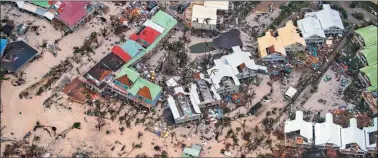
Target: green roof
x=369, y=34
x=191, y=151
x=131, y=74
x=41, y=3
x=371, y=54
x=372, y=88
x=371, y=73
x=140, y=83
x=163, y=19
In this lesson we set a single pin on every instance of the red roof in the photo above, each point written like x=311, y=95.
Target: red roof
x=149, y=35
x=134, y=37
x=73, y=12
x=122, y=54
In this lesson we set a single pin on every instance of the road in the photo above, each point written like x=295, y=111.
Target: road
x=315, y=80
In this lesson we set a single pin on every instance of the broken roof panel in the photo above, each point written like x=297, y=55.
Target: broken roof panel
x=75, y=90
x=268, y=41
x=16, y=55
x=132, y=47
x=368, y=34
x=149, y=35
x=352, y=134
x=99, y=71
x=327, y=132
x=141, y=83
x=121, y=53
x=73, y=12
x=288, y=35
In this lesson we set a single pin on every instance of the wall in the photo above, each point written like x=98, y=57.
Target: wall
x=205, y=26
x=274, y=57
x=314, y=40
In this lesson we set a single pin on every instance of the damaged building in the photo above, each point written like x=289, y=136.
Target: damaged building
x=229, y=69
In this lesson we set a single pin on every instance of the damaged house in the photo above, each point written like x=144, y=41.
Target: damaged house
x=298, y=133
x=230, y=68
x=274, y=46
x=183, y=106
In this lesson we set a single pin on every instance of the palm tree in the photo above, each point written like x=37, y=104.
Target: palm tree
x=76, y=125
x=207, y=22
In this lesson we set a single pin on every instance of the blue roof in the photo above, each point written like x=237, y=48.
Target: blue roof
x=131, y=47
x=16, y=55
x=3, y=44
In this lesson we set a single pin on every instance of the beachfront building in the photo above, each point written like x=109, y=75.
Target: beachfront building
x=366, y=36
x=352, y=139
x=128, y=84
x=311, y=30
x=329, y=19
x=183, y=106
x=3, y=45
x=368, y=55
x=368, y=75
x=371, y=134
x=274, y=46
x=193, y=152
x=327, y=134
x=230, y=68
x=298, y=133
x=290, y=38
x=16, y=55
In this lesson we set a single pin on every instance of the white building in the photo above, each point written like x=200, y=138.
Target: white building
x=327, y=134
x=329, y=19
x=353, y=139
x=298, y=132
x=183, y=106
x=290, y=92
x=204, y=17
x=204, y=94
x=317, y=25
x=230, y=68
x=311, y=30
x=371, y=134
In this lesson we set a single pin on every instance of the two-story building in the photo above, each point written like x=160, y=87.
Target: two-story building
x=183, y=106
x=298, y=133
x=311, y=30
x=327, y=134
x=204, y=94
x=371, y=135
x=352, y=139
x=366, y=36
x=274, y=46
x=370, y=98
x=329, y=19
x=229, y=69
x=368, y=75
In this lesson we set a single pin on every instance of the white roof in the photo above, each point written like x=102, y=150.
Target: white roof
x=29, y=7
x=221, y=70
x=153, y=25
x=201, y=13
x=304, y=127
x=49, y=15
x=310, y=26
x=353, y=134
x=329, y=18
x=171, y=82
x=368, y=130
x=216, y=95
x=194, y=98
x=221, y=5
x=291, y=92
x=327, y=132
x=173, y=107
x=20, y=4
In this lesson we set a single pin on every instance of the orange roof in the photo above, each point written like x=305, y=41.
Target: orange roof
x=145, y=92
x=75, y=90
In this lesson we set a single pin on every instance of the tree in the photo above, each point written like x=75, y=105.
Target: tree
x=164, y=154
x=121, y=129
x=100, y=123
x=206, y=20
x=76, y=125
x=358, y=15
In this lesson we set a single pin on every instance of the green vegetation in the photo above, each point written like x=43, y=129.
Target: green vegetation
x=287, y=10
x=358, y=15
